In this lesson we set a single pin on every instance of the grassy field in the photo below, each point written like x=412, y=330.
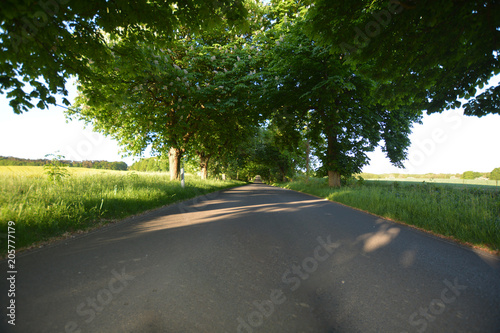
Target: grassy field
x=458, y=183
x=470, y=215
x=38, y=171
x=43, y=209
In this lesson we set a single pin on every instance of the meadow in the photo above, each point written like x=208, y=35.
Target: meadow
x=458, y=183
x=43, y=209
x=469, y=214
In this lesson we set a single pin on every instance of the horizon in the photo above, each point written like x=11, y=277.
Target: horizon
x=447, y=142
x=378, y=174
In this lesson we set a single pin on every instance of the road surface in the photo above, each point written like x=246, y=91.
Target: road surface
x=255, y=259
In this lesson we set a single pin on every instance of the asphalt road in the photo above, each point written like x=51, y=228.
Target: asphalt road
x=255, y=259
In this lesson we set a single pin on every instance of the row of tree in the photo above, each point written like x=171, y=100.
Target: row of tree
x=208, y=94
x=258, y=155
x=150, y=164
x=493, y=175
x=15, y=161
x=257, y=88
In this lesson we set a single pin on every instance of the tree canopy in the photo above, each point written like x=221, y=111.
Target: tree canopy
x=307, y=85
x=46, y=42
x=186, y=92
x=434, y=52
x=495, y=174
x=471, y=175
x=245, y=87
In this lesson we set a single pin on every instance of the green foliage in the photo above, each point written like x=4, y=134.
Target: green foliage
x=152, y=76
x=55, y=170
x=84, y=164
x=270, y=163
x=485, y=103
x=468, y=215
x=495, y=174
x=435, y=66
x=150, y=164
x=23, y=162
x=192, y=93
x=46, y=42
x=269, y=155
x=307, y=88
x=471, y=175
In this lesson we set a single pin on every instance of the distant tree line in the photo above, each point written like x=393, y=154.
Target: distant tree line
x=81, y=164
x=150, y=164
x=493, y=175
x=101, y=165
x=406, y=176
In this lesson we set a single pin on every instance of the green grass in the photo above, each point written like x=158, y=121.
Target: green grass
x=469, y=215
x=459, y=183
x=38, y=171
x=43, y=209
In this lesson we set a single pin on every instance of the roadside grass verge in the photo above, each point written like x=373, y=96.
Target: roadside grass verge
x=44, y=209
x=469, y=215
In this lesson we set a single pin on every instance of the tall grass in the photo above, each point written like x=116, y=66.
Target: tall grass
x=43, y=209
x=470, y=215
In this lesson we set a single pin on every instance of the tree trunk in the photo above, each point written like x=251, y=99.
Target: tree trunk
x=204, y=159
x=283, y=174
x=332, y=155
x=333, y=179
x=174, y=160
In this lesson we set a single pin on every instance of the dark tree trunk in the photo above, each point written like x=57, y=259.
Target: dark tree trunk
x=332, y=153
x=204, y=159
x=174, y=159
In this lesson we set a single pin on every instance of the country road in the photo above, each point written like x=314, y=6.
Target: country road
x=254, y=259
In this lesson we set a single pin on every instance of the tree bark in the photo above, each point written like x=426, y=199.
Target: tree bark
x=204, y=159
x=333, y=178
x=174, y=160
x=332, y=153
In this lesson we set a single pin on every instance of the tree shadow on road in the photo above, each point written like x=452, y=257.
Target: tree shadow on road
x=215, y=262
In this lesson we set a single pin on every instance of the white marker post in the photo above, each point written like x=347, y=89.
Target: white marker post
x=182, y=178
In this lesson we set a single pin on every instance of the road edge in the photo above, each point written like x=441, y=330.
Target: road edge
x=99, y=227
x=448, y=239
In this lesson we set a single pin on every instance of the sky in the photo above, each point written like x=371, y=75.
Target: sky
x=444, y=143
